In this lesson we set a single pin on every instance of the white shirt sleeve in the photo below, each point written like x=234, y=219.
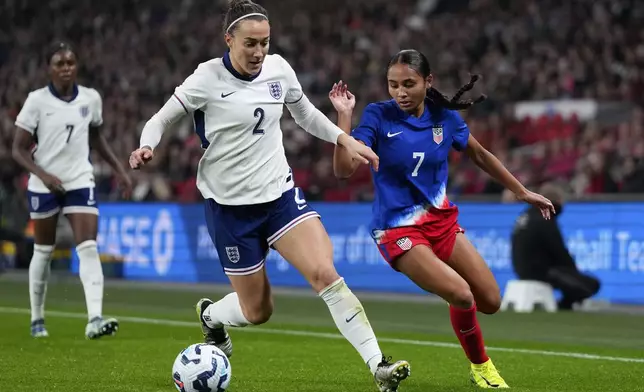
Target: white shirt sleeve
x=153, y=130
x=304, y=113
x=191, y=95
x=293, y=89
x=29, y=116
x=97, y=112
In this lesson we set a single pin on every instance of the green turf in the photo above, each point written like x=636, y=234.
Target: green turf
x=141, y=356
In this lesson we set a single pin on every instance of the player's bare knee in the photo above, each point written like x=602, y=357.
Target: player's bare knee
x=323, y=277
x=490, y=303
x=461, y=297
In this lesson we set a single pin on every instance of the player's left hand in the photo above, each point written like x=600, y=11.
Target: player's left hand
x=125, y=184
x=359, y=151
x=537, y=200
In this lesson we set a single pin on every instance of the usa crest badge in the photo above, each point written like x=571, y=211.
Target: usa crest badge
x=275, y=88
x=233, y=254
x=404, y=243
x=437, y=131
x=84, y=111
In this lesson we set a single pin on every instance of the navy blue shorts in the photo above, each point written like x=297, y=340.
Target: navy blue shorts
x=244, y=234
x=77, y=201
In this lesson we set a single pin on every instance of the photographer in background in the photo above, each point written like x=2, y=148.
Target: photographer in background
x=540, y=253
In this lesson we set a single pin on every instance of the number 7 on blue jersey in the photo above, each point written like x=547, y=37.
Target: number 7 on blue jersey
x=421, y=157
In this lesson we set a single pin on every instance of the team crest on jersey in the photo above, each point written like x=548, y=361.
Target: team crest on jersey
x=437, y=130
x=233, y=254
x=84, y=111
x=275, y=88
x=404, y=243
x=35, y=202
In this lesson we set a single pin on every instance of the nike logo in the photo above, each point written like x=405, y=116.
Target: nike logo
x=489, y=383
x=301, y=207
x=389, y=134
x=354, y=316
x=226, y=95
x=468, y=330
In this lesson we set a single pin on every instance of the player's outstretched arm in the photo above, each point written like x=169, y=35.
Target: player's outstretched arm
x=493, y=166
x=343, y=101
x=191, y=95
x=317, y=124
x=313, y=121
x=154, y=130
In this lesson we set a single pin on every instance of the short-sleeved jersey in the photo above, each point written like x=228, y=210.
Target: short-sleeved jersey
x=413, y=152
x=61, y=130
x=238, y=121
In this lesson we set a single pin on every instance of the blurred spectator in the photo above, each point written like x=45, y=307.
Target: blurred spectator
x=540, y=253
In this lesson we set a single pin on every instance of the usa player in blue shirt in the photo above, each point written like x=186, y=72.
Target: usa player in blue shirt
x=414, y=224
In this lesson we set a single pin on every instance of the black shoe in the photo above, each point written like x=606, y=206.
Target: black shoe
x=215, y=336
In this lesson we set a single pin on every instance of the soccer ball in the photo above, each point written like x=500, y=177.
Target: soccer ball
x=201, y=368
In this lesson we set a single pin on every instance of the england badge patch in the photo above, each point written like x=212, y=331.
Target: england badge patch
x=233, y=254
x=275, y=88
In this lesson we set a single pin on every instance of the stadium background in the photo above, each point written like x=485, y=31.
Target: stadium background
x=564, y=80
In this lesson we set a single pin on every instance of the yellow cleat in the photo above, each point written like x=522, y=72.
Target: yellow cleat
x=485, y=375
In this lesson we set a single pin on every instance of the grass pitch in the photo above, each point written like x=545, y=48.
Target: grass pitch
x=300, y=349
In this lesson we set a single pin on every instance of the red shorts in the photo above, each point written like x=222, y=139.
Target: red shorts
x=437, y=231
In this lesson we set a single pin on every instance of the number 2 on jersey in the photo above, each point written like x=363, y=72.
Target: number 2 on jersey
x=70, y=129
x=259, y=112
x=421, y=157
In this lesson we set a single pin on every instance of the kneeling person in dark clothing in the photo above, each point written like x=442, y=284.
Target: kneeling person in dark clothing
x=539, y=253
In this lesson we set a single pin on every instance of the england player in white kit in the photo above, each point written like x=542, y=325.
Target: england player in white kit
x=61, y=121
x=252, y=203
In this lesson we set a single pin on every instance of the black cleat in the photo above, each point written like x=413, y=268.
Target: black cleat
x=215, y=336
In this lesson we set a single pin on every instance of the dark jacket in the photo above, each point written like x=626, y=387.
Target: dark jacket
x=538, y=245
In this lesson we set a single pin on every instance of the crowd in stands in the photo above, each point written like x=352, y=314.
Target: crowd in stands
x=135, y=53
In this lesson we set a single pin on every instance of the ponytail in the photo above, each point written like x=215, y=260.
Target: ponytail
x=439, y=99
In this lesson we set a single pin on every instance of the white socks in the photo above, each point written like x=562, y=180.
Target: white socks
x=351, y=320
x=227, y=311
x=39, y=269
x=347, y=312
x=91, y=275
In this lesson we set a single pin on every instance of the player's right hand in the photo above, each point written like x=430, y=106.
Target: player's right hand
x=359, y=151
x=140, y=157
x=341, y=98
x=53, y=183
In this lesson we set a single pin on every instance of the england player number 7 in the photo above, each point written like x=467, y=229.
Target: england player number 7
x=70, y=129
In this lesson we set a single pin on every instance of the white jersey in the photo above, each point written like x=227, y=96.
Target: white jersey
x=238, y=121
x=61, y=129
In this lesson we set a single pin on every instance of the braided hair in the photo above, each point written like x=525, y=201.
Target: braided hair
x=418, y=62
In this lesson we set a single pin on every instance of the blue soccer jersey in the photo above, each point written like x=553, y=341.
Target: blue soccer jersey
x=413, y=155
